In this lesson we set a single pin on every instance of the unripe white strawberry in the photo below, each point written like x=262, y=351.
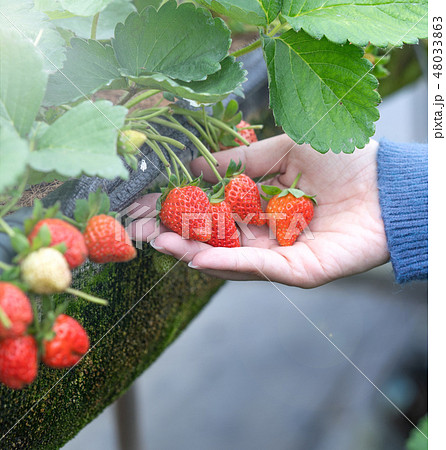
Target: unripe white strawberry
x=46, y=271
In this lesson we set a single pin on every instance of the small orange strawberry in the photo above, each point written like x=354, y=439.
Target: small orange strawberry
x=107, y=240
x=248, y=133
x=289, y=212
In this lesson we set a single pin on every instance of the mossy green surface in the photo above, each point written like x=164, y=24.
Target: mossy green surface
x=147, y=311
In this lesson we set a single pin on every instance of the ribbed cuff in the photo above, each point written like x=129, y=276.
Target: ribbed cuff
x=403, y=195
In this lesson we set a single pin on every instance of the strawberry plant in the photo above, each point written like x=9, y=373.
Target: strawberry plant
x=323, y=60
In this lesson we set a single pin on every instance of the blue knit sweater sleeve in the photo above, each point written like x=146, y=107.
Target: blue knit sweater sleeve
x=402, y=184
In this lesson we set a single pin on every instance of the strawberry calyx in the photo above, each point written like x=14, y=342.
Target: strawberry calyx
x=96, y=204
x=271, y=191
x=234, y=169
x=24, y=247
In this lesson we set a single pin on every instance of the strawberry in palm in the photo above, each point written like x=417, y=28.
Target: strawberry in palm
x=186, y=210
x=242, y=196
x=224, y=230
x=289, y=212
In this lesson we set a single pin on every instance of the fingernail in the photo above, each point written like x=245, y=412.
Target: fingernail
x=159, y=248
x=192, y=266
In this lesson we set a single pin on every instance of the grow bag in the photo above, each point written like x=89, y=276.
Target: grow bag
x=146, y=312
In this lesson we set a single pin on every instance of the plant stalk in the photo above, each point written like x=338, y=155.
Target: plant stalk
x=201, y=148
x=6, y=228
x=94, y=26
x=16, y=197
x=139, y=98
x=247, y=49
x=84, y=295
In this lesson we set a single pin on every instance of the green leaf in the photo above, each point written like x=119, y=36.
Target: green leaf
x=216, y=87
x=115, y=12
x=320, y=92
x=84, y=7
x=182, y=42
x=20, y=93
x=253, y=12
x=271, y=190
x=19, y=16
x=82, y=210
x=141, y=4
x=14, y=153
x=416, y=440
x=89, y=67
x=83, y=140
x=380, y=22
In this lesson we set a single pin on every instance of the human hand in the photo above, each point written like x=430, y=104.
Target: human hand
x=347, y=232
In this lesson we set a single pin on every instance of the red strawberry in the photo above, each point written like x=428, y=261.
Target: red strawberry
x=68, y=345
x=15, y=304
x=289, y=212
x=249, y=134
x=62, y=231
x=224, y=230
x=242, y=195
x=107, y=240
x=18, y=361
x=191, y=204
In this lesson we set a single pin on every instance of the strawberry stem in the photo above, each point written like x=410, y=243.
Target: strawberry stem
x=139, y=98
x=5, y=266
x=175, y=158
x=94, y=26
x=149, y=113
x=177, y=126
x=247, y=49
x=4, y=319
x=6, y=228
x=296, y=181
x=15, y=196
x=155, y=147
x=85, y=296
x=212, y=120
x=203, y=133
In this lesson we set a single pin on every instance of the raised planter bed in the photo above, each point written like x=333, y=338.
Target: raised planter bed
x=146, y=312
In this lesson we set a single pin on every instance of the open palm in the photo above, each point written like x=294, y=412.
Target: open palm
x=346, y=235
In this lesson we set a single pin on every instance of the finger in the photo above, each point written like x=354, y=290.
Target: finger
x=173, y=244
x=250, y=261
x=231, y=275
x=143, y=207
x=145, y=229
x=260, y=158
